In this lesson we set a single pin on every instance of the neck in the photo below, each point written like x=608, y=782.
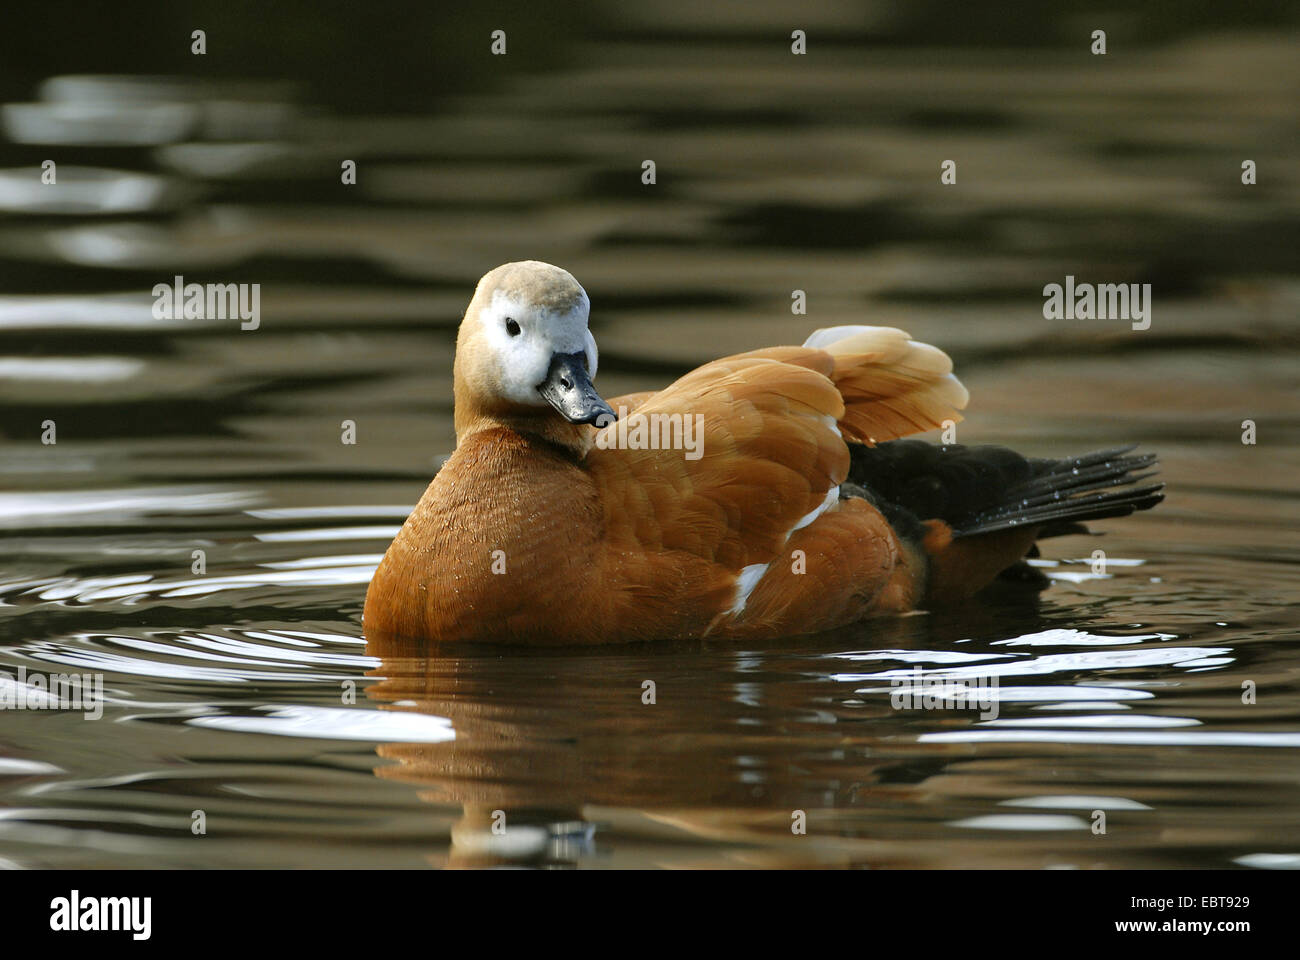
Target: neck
x=477, y=410
x=545, y=424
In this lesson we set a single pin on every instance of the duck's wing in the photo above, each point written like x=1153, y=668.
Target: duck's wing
x=629, y=401
x=765, y=457
x=723, y=463
x=892, y=385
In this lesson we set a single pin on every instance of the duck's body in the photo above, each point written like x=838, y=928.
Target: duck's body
x=787, y=519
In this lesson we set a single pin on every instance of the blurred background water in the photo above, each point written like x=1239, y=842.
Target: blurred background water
x=227, y=691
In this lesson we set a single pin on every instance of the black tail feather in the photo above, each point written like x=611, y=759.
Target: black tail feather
x=1096, y=506
x=978, y=490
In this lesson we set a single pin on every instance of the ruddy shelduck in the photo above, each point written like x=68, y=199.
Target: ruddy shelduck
x=797, y=508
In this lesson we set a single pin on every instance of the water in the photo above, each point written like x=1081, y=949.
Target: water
x=248, y=693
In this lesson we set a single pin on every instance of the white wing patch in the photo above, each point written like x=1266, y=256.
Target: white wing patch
x=749, y=576
x=832, y=497
x=746, y=581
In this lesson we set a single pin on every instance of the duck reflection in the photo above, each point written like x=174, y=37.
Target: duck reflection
x=654, y=743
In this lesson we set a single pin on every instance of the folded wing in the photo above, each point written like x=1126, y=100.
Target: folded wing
x=772, y=428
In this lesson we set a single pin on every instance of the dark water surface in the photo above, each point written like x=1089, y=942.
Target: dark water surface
x=227, y=692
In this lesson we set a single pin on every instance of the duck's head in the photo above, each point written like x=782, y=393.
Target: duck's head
x=524, y=355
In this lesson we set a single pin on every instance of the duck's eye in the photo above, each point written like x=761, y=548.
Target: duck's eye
x=512, y=328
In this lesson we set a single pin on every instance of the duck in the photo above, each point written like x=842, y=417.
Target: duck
x=777, y=492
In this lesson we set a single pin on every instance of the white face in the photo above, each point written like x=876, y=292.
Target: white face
x=523, y=359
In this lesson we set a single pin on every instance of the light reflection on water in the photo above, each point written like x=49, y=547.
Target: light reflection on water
x=248, y=690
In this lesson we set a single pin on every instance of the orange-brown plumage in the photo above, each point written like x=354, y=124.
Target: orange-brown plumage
x=543, y=529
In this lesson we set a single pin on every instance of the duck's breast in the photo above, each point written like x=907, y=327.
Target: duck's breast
x=497, y=549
